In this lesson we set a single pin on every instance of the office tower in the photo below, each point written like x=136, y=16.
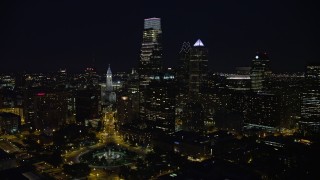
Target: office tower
x=150, y=57
x=195, y=112
x=310, y=108
x=182, y=81
x=132, y=86
x=62, y=75
x=61, y=79
x=183, y=67
x=259, y=71
x=124, y=110
x=160, y=103
x=46, y=110
x=151, y=50
x=107, y=94
x=198, y=69
x=91, y=77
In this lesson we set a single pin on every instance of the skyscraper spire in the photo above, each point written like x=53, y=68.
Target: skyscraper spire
x=109, y=70
x=198, y=43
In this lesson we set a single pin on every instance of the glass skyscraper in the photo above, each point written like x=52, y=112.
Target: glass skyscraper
x=310, y=108
x=150, y=58
x=198, y=68
x=259, y=70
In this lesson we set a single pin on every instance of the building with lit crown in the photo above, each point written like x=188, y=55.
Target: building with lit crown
x=198, y=69
x=195, y=111
x=150, y=62
x=259, y=70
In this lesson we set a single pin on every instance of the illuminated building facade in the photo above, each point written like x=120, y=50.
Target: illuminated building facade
x=198, y=69
x=150, y=62
x=91, y=77
x=107, y=93
x=9, y=122
x=263, y=111
x=240, y=81
x=132, y=86
x=182, y=81
x=183, y=67
x=160, y=103
x=310, y=108
x=259, y=71
x=195, y=111
x=194, y=117
x=61, y=78
x=124, y=110
x=47, y=110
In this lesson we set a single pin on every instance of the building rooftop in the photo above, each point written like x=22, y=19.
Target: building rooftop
x=198, y=43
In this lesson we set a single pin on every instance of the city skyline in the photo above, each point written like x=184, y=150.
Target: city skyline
x=159, y=90
x=74, y=34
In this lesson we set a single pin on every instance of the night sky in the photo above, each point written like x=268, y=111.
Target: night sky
x=42, y=36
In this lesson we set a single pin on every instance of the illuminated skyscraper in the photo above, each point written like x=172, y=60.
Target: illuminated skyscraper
x=152, y=23
x=182, y=81
x=259, y=70
x=151, y=57
x=160, y=103
x=183, y=67
x=198, y=68
x=310, y=109
x=194, y=115
x=151, y=50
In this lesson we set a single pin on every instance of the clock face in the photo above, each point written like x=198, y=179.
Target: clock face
x=257, y=57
